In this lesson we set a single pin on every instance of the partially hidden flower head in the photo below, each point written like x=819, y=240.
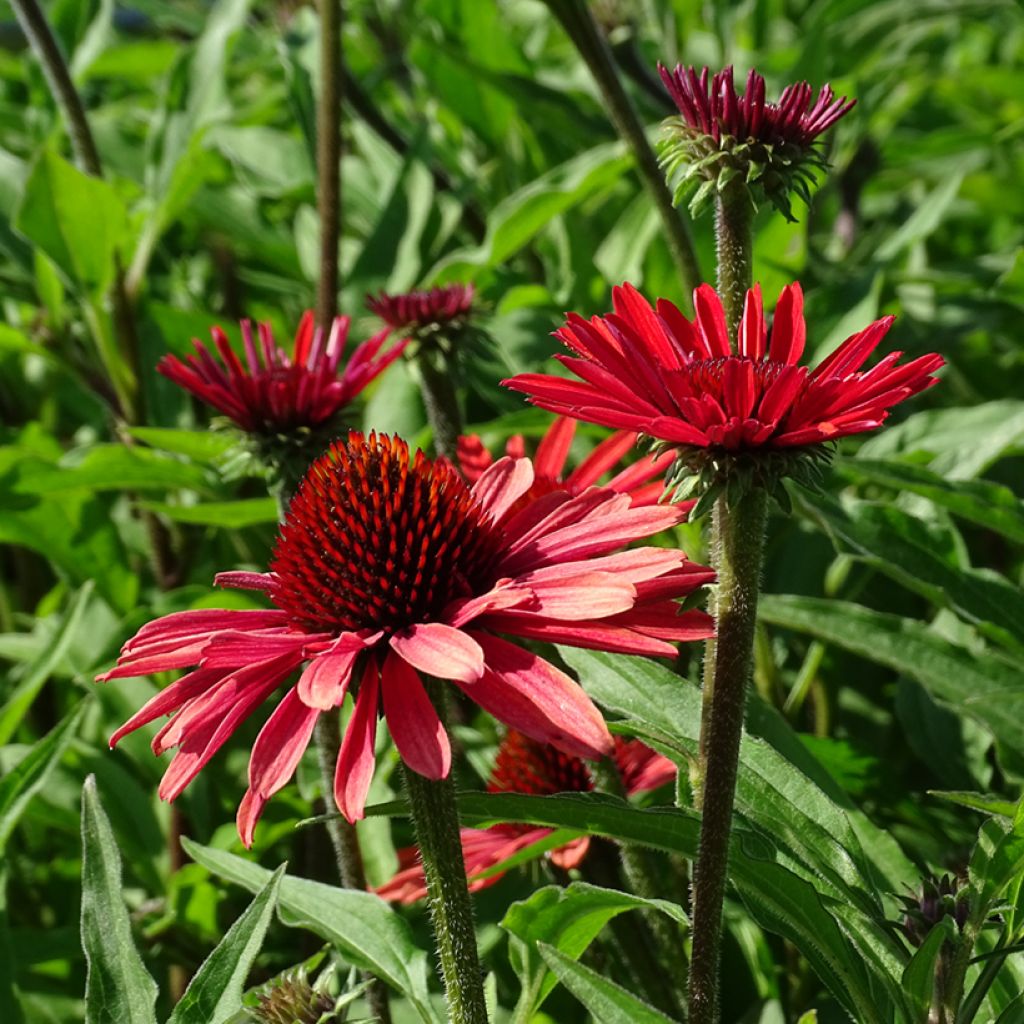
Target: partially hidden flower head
x=273, y=391
x=387, y=567
x=642, y=481
x=525, y=766
x=421, y=312
x=734, y=415
x=722, y=137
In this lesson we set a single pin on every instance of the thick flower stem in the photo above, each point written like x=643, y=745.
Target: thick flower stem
x=347, y=854
x=579, y=24
x=734, y=219
x=436, y=818
x=440, y=399
x=328, y=159
x=738, y=551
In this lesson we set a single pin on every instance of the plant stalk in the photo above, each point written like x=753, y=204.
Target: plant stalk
x=440, y=398
x=739, y=544
x=586, y=35
x=436, y=819
x=734, y=243
x=328, y=159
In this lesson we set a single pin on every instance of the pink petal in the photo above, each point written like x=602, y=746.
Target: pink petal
x=249, y=812
x=502, y=484
x=325, y=680
x=504, y=595
x=245, y=580
x=529, y=694
x=440, y=651
x=170, y=699
x=356, y=759
x=281, y=744
x=589, y=595
x=789, y=332
x=417, y=731
x=553, y=449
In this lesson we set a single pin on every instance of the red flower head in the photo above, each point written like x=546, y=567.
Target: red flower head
x=724, y=411
x=722, y=137
x=386, y=568
x=276, y=393
x=538, y=769
x=642, y=481
x=419, y=312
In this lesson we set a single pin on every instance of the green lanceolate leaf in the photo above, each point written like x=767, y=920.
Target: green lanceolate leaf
x=568, y=920
x=606, y=1001
x=919, y=977
x=231, y=514
x=27, y=777
x=984, y=686
x=118, y=988
x=996, y=862
x=365, y=930
x=215, y=993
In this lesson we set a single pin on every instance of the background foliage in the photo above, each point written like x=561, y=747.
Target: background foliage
x=890, y=651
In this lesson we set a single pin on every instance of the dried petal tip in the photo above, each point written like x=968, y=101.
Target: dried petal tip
x=424, y=311
x=722, y=139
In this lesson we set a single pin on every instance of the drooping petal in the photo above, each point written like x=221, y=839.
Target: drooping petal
x=502, y=484
x=440, y=651
x=356, y=759
x=280, y=744
x=417, y=731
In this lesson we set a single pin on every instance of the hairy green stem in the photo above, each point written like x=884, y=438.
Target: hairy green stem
x=739, y=544
x=328, y=159
x=950, y=985
x=734, y=221
x=440, y=398
x=579, y=24
x=436, y=819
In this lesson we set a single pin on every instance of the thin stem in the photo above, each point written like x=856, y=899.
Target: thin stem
x=578, y=22
x=440, y=398
x=436, y=818
x=738, y=555
x=734, y=218
x=328, y=159
x=345, y=842
x=955, y=974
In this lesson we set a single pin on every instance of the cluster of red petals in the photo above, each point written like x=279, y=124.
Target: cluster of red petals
x=388, y=567
x=642, y=480
x=654, y=371
x=272, y=391
x=711, y=106
x=415, y=311
x=537, y=769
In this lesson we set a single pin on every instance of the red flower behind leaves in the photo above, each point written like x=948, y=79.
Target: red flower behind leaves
x=525, y=766
x=272, y=392
x=386, y=568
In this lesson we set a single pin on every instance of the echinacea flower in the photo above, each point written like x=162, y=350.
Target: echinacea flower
x=642, y=481
x=423, y=311
x=273, y=392
x=728, y=412
x=526, y=766
x=721, y=136
x=386, y=568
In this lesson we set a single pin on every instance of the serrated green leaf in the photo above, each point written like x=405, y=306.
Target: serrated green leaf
x=607, y=1002
x=367, y=932
x=118, y=988
x=215, y=992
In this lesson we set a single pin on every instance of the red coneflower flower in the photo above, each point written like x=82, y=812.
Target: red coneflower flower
x=526, y=766
x=642, y=481
x=721, y=136
x=682, y=383
x=273, y=392
x=421, y=311
x=384, y=569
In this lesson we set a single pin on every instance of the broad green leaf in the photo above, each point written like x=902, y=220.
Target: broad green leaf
x=118, y=988
x=568, y=920
x=110, y=467
x=215, y=993
x=607, y=1002
x=365, y=929
x=990, y=505
x=29, y=775
x=772, y=793
x=230, y=514
x=863, y=977
x=984, y=686
x=201, y=445
x=996, y=861
x=78, y=221
x=919, y=977
x=901, y=547
x=20, y=700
